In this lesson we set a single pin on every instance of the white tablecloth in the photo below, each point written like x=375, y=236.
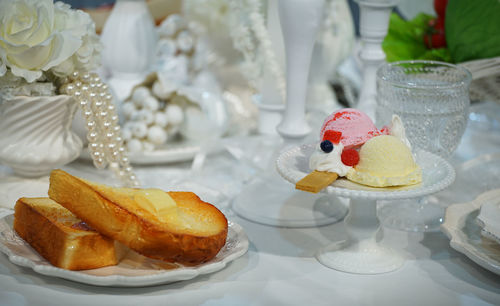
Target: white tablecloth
x=279, y=267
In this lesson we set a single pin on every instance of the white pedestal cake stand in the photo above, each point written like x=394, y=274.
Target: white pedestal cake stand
x=362, y=252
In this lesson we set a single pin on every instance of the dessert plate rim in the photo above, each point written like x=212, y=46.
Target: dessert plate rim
x=461, y=232
x=286, y=165
x=178, y=151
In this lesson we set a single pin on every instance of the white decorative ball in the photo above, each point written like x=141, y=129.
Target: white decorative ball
x=144, y=115
x=174, y=114
x=139, y=129
x=126, y=133
x=185, y=41
x=170, y=26
x=161, y=119
x=157, y=135
x=151, y=103
x=128, y=109
x=160, y=91
x=134, y=145
x=167, y=47
x=147, y=146
x=140, y=94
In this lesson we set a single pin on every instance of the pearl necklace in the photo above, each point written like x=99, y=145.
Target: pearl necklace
x=104, y=133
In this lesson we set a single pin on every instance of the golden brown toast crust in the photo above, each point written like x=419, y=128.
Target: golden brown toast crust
x=61, y=245
x=148, y=237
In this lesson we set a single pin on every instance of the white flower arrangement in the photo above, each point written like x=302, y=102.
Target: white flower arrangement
x=47, y=48
x=41, y=40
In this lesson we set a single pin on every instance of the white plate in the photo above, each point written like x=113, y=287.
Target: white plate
x=133, y=271
x=489, y=219
x=177, y=151
x=460, y=225
x=437, y=174
x=475, y=177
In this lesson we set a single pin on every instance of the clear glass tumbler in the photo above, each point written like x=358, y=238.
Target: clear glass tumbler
x=432, y=99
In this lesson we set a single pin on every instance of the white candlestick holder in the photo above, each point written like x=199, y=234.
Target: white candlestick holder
x=373, y=26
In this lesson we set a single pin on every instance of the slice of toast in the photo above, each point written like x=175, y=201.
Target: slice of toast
x=60, y=237
x=189, y=232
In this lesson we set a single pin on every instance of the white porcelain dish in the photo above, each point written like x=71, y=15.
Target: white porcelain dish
x=175, y=152
x=133, y=271
x=465, y=235
x=489, y=219
x=178, y=151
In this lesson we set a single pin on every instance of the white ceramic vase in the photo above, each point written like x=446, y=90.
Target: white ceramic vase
x=35, y=134
x=129, y=39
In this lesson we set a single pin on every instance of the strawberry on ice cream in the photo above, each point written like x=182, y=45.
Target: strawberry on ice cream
x=352, y=126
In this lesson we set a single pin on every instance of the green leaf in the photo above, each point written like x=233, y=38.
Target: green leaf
x=404, y=40
x=441, y=54
x=473, y=29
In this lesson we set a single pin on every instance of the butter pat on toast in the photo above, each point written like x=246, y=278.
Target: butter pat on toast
x=170, y=226
x=61, y=238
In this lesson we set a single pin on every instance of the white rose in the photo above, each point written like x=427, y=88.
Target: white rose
x=86, y=57
x=82, y=26
x=64, y=68
x=36, y=35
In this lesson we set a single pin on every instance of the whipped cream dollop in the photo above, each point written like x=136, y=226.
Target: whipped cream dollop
x=330, y=162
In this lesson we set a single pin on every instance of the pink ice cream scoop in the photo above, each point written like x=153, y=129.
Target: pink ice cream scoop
x=356, y=127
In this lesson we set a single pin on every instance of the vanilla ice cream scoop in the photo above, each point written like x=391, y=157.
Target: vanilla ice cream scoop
x=385, y=161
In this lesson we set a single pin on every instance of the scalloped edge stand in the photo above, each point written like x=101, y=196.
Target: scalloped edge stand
x=361, y=253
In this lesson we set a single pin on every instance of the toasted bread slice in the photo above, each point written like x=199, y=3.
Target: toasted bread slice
x=189, y=232
x=60, y=237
